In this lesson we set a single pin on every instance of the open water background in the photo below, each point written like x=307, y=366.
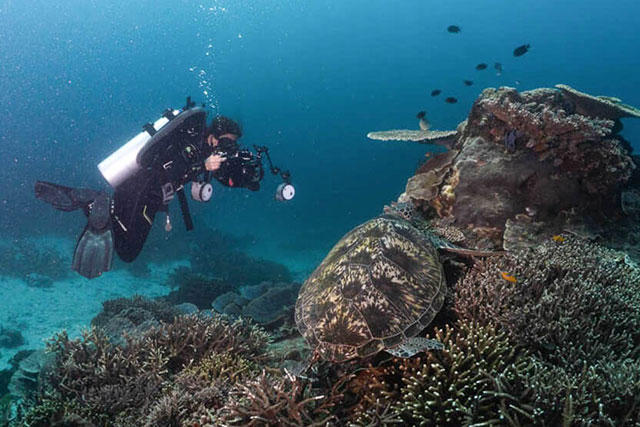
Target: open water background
x=308, y=78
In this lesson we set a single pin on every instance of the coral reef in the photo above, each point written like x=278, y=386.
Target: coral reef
x=10, y=338
x=552, y=157
x=598, y=106
x=278, y=401
x=39, y=265
x=195, y=288
x=579, y=146
x=548, y=334
x=212, y=255
x=421, y=136
x=424, y=186
x=576, y=306
x=268, y=304
x=118, y=384
x=223, y=260
x=274, y=305
x=479, y=378
x=131, y=315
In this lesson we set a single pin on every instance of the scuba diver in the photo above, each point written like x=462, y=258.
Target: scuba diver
x=148, y=172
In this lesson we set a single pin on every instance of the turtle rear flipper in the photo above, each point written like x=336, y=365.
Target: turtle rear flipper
x=412, y=346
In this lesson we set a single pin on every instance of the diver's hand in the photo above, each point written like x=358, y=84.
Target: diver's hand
x=213, y=162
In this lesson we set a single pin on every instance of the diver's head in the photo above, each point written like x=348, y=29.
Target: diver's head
x=223, y=127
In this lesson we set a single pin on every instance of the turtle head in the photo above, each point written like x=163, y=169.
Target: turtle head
x=405, y=210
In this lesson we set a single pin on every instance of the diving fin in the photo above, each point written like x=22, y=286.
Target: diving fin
x=94, y=251
x=63, y=198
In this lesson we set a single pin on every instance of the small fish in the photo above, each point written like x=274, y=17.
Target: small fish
x=498, y=68
x=454, y=29
x=508, y=277
x=424, y=123
x=468, y=83
x=451, y=100
x=481, y=67
x=436, y=92
x=521, y=50
x=558, y=238
x=510, y=140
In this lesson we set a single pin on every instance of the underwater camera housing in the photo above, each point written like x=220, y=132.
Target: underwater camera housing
x=174, y=148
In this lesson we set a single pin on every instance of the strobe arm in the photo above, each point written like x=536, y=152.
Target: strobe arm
x=260, y=150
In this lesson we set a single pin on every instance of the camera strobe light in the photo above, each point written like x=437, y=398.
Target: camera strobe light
x=201, y=191
x=285, y=192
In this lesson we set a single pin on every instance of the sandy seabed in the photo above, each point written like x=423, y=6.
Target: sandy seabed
x=38, y=313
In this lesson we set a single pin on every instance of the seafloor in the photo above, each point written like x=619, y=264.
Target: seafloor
x=526, y=219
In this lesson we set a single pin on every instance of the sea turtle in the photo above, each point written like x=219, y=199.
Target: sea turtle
x=379, y=286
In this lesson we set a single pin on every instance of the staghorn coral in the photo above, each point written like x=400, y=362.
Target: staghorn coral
x=131, y=315
x=55, y=413
x=570, y=293
x=119, y=383
x=603, y=394
x=287, y=401
x=478, y=378
x=576, y=306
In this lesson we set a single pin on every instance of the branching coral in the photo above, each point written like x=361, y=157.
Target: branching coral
x=603, y=394
x=571, y=292
x=118, y=382
x=272, y=401
x=478, y=378
x=576, y=305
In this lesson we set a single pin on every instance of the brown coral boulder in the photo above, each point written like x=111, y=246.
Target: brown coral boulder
x=534, y=156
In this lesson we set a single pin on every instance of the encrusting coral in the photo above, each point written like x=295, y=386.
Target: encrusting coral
x=580, y=146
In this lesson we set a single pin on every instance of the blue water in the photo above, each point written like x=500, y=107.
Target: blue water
x=309, y=79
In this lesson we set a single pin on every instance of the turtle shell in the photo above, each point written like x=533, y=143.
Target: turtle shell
x=380, y=284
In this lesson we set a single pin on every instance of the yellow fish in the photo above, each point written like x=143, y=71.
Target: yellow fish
x=508, y=278
x=558, y=238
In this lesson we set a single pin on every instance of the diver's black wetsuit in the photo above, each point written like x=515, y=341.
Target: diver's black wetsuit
x=175, y=155
x=138, y=199
x=135, y=204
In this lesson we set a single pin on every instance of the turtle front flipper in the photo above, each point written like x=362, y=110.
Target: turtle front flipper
x=412, y=346
x=442, y=244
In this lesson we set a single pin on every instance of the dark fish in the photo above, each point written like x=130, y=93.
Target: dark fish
x=424, y=123
x=521, y=50
x=498, y=67
x=453, y=29
x=481, y=67
x=436, y=92
x=451, y=100
x=468, y=83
